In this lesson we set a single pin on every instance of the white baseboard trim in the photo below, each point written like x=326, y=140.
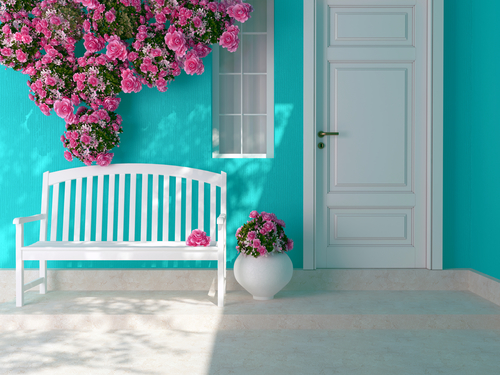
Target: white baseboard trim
x=201, y=279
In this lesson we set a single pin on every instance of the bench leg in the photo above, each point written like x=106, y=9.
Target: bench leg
x=221, y=280
x=19, y=282
x=43, y=273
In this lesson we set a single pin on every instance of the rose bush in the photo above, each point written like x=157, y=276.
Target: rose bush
x=128, y=44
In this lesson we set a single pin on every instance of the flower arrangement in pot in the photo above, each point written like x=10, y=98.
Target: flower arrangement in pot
x=263, y=268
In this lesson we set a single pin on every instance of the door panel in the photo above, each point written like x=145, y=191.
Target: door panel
x=372, y=105
x=371, y=26
x=371, y=181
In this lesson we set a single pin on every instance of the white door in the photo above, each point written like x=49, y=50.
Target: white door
x=371, y=177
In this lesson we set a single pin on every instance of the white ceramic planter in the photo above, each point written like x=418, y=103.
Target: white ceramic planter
x=263, y=277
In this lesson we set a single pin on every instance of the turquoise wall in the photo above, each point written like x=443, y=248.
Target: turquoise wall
x=174, y=128
x=471, y=134
x=165, y=128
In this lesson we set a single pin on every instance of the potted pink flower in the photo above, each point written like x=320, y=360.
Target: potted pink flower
x=263, y=268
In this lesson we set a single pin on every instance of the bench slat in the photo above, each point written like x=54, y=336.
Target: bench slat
x=212, y=210
x=88, y=208
x=133, y=200
x=45, y=206
x=100, y=194
x=111, y=207
x=121, y=207
x=189, y=204
x=178, y=207
x=144, y=207
x=154, y=219
x=55, y=209
x=67, y=201
x=166, y=206
x=201, y=204
x=78, y=209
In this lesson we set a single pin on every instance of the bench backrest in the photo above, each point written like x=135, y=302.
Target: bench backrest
x=131, y=202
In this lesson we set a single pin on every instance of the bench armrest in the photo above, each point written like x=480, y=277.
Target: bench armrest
x=27, y=219
x=221, y=219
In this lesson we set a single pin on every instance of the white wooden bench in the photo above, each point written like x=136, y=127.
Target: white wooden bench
x=164, y=197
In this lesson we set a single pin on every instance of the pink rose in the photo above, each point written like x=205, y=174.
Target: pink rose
x=41, y=93
x=111, y=104
x=251, y=236
x=86, y=26
x=110, y=15
x=50, y=81
x=21, y=56
x=92, y=43
x=160, y=18
x=128, y=84
x=266, y=216
x=85, y=139
x=90, y=4
x=104, y=159
x=6, y=29
x=229, y=40
x=30, y=70
x=202, y=50
x=92, y=119
x=289, y=244
x=45, y=109
x=240, y=12
x=132, y=56
x=54, y=20
x=6, y=51
x=197, y=22
x=155, y=52
x=93, y=81
x=262, y=250
x=193, y=64
x=254, y=214
x=27, y=39
x=116, y=50
x=176, y=42
x=212, y=6
x=101, y=60
x=198, y=238
x=256, y=243
x=68, y=155
x=63, y=107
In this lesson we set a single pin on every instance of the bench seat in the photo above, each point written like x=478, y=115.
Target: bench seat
x=116, y=250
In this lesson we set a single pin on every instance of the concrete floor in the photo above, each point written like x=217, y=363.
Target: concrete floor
x=306, y=332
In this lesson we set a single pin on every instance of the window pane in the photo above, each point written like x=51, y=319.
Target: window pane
x=229, y=62
x=258, y=18
x=254, y=134
x=254, y=94
x=230, y=94
x=254, y=53
x=230, y=135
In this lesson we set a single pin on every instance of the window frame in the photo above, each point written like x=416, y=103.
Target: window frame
x=269, y=91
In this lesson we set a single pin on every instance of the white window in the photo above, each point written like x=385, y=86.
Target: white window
x=243, y=90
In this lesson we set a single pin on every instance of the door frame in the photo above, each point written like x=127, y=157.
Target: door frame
x=434, y=163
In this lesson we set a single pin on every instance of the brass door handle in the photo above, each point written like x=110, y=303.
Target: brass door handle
x=322, y=134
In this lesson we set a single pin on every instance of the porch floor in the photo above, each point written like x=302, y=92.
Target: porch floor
x=299, y=332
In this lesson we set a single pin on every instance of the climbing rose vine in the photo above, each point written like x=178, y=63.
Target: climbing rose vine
x=128, y=44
